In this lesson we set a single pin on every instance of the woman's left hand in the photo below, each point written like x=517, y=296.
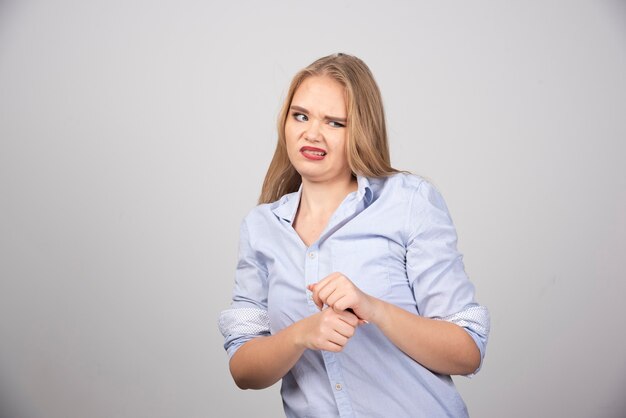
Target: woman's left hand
x=340, y=294
x=440, y=346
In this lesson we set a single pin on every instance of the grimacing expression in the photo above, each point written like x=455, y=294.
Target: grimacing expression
x=315, y=130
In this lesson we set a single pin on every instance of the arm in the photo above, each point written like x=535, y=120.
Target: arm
x=440, y=346
x=257, y=358
x=262, y=361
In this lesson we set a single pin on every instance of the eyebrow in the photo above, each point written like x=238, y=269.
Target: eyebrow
x=333, y=118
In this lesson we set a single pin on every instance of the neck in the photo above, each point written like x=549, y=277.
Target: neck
x=321, y=199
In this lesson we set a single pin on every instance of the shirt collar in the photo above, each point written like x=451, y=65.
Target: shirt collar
x=287, y=206
x=364, y=189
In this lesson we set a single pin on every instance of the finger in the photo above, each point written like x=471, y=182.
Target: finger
x=337, y=319
x=349, y=317
x=324, y=281
x=343, y=303
x=315, y=289
x=317, y=301
x=333, y=298
x=332, y=347
x=324, y=292
x=339, y=339
x=345, y=330
x=314, y=294
x=360, y=320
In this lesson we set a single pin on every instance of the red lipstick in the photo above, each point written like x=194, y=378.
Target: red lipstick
x=313, y=153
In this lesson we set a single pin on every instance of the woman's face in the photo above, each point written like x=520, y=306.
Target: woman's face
x=316, y=131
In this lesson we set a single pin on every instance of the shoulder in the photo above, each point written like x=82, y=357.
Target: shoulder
x=414, y=192
x=407, y=181
x=400, y=186
x=257, y=213
x=254, y=225
x=419, y=187
x=266, y=215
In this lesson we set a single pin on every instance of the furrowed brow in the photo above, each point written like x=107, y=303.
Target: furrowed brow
x=328, y=118
x=298, y=109
x=336, y=119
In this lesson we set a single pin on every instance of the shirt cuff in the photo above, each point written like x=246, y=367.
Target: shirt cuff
x=240, y=325
x=476, y=321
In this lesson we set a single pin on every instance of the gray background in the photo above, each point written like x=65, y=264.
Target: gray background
x=134, y=136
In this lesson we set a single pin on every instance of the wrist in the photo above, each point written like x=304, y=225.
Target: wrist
x=296, y=336
x=379, y=311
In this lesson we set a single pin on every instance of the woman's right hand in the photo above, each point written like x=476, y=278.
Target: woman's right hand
x=261, y=362
x=326, y=330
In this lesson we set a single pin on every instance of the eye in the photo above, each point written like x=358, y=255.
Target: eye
x=335, y=124
x=300, y=117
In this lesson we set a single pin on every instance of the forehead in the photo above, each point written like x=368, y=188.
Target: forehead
x=321, y=94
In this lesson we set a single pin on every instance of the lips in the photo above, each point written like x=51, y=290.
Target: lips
x=313, y=153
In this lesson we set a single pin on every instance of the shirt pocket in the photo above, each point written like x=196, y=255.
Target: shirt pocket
x=365, y=262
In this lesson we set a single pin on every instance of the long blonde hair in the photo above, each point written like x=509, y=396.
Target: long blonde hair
x=367, y=147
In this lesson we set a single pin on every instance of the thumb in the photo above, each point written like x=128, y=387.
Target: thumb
x=361, y=321
x=316, y=300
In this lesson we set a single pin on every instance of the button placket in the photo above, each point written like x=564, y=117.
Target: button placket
x=311, y=271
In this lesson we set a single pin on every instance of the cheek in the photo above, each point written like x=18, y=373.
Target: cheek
x=339, y=147
x=291, y=141
x=291, y=135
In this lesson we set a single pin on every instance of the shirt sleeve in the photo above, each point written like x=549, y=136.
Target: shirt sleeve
x=435, y=268
x=247, y=317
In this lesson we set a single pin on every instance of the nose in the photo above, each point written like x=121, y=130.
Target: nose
x=312, y=132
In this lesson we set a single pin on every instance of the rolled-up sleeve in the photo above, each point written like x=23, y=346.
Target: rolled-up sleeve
x=476, y=321
x=435, y=268
x=247, y=317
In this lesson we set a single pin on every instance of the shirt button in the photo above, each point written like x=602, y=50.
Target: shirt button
x=311, y=255
x=338, y=386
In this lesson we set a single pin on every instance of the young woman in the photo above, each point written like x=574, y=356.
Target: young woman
x=349, y=286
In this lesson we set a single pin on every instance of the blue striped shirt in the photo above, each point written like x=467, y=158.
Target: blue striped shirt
x=395, y=240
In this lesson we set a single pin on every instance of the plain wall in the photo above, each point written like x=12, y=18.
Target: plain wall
x=134, y=137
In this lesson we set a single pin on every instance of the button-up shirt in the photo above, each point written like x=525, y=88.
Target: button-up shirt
x=395, y=240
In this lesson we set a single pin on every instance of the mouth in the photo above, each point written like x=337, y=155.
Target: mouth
x=313, y=153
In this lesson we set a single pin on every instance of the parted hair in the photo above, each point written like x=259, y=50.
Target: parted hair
x=367, y=147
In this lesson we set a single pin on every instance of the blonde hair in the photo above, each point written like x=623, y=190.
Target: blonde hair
x=367, y=147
